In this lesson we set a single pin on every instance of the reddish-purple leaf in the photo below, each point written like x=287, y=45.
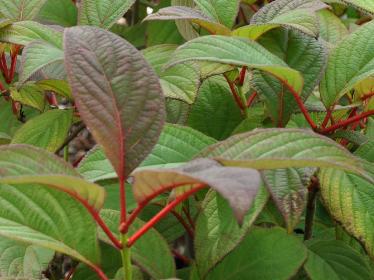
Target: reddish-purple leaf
x=117, y=93
x=238, y=185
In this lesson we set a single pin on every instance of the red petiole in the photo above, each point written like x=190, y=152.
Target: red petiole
x=162, y=214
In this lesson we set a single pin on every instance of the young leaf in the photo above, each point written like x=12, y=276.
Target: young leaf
x=48, y=218
x=240, y=52
x=47, y=130
x=102, y=13
x=60, y=12
x=335, y=260
x=151, y=252
x=22, y=261
x=110, y=75
x=215, y=112
x=25, y=32
x=350, y=62
x=284, y=148
x=217, y=233
x=223, y=11
x=349, y=199
x=244, y=183
x=281, y=257
x=183, y=13
x=24, y=164
x=19, y=10
x=36, y=56
x=29, y=94
x=59, y=87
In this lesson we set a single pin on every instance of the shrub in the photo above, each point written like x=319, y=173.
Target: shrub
x=234, y=139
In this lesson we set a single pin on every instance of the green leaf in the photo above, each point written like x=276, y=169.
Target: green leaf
x=25, y=164
x=184, y=13
x=244, y=183
x=31, y=95
x=102, y=13
x=25, y=32
x=19, y=10
x=215, y=112
x=60, y=12
x=299, y=14
x=36, y=56
x=169, y=226
x=349, y=199
x=9, y=122
x=110, y=264
x=240, y=52
x=129, y=106
x=222, y=11
x=288, y=188
x=363, y=5
x=47, y=130
x=151, y=252
x=59, y=87
x=366, y=151
x=185, y=27
x=22, y=261
x=265, y=254
x=177, y=144
x=48, y=218
x=335, y=260
x=217, y=233
x=302, y=53
x=350, y=62
x=332, y=29
x=179, y=82
x=284, y=148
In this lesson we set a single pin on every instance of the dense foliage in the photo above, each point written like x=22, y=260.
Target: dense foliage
x=235, y=139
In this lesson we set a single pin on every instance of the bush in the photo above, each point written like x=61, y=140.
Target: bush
x=234, y=139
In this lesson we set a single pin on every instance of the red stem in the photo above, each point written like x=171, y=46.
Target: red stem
x=125, y=226
x=301, y=106
x=98, y=219
x=367, y=96
x=99, y=272
x=234, y=93
x=346, y=122
x=13, y=63
x=327, y=118
x=162, y=214
x=251, y=99
x=4, y=67
x=242, y=75
x=122, y=192
x=181, y=220
x=189, y=218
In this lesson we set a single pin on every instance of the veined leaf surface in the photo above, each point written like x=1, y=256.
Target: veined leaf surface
x=118, y=95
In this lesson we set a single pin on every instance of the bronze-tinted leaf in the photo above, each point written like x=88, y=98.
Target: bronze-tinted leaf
x=117, y=93
x=238, y=185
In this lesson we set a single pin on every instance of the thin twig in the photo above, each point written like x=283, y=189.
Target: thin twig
x=71, y=137
x=346, y=122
